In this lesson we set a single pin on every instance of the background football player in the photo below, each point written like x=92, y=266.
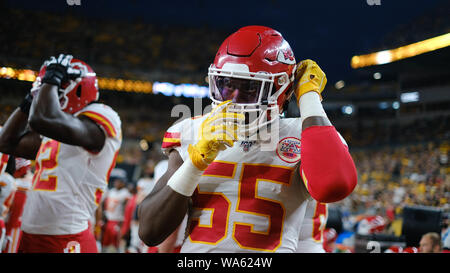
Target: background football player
x=241, y=198
x=115, y=201
x=74, y=143
x=6, y=193
x=311, y=237
x=22, y=183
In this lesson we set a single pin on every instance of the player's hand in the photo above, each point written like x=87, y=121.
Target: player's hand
x=217, y=132
x=59, y=71
x=310, y=77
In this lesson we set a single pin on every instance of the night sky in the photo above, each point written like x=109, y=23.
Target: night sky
x=329, y=32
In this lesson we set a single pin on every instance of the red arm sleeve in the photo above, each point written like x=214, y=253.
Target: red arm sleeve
x=327, y=168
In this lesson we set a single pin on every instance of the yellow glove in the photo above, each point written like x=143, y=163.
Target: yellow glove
x=216, y=132
x=310, y=78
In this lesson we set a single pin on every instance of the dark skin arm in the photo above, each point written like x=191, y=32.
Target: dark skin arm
x=47, y=118
x=315, y=121
x=162, y=211
x=17, y=139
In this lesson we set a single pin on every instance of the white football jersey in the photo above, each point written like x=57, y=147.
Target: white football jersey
x=248, y=199
x=115, y=204
x=69, y=180
x=7, y=188
x=311, y=231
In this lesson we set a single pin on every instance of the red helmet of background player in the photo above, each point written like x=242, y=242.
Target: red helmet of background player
x=254, y=68
x=411, y=249
x=371, y=225
x=76, y=94
x=394, y=249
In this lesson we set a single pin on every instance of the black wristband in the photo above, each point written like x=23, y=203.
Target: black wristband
x=26, y=104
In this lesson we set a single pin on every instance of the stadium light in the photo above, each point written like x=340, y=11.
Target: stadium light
x=122, y=85
x=409, y=97
x=186, y=90
x=377, y=75
x=339, y=85
x=407, y=51
x=384, y=57
x=143, y=144
x=347, y=109
x=20, y=74
x=395, y=105
x=383, y=105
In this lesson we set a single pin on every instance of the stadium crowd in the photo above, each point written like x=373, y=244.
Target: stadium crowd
x=114, y=48
x=432, y=23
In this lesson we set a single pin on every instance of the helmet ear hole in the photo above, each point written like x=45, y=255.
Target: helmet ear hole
x=78, y=92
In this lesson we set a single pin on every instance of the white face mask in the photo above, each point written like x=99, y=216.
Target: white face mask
x=251, y=94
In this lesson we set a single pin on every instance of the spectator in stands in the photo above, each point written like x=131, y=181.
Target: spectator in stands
x=430, y=243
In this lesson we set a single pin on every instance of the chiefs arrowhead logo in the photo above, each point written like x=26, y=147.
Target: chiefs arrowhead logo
x=286, y=56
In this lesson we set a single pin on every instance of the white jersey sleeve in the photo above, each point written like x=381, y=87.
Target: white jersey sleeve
x=109, y=121
x=180, y=135
x=105, y=117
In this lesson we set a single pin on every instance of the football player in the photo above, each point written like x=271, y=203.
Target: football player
x=74, y=142
x=6, y=195
x=22, y=183
x=311, y=238
x=371, y=225
x=115, y=202
x=239, y=196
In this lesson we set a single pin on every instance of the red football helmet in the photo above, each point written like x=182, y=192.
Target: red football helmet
x=75, y=95
x=411, y=249
x=371, y=225
x=255, y=68
x=394, y=249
